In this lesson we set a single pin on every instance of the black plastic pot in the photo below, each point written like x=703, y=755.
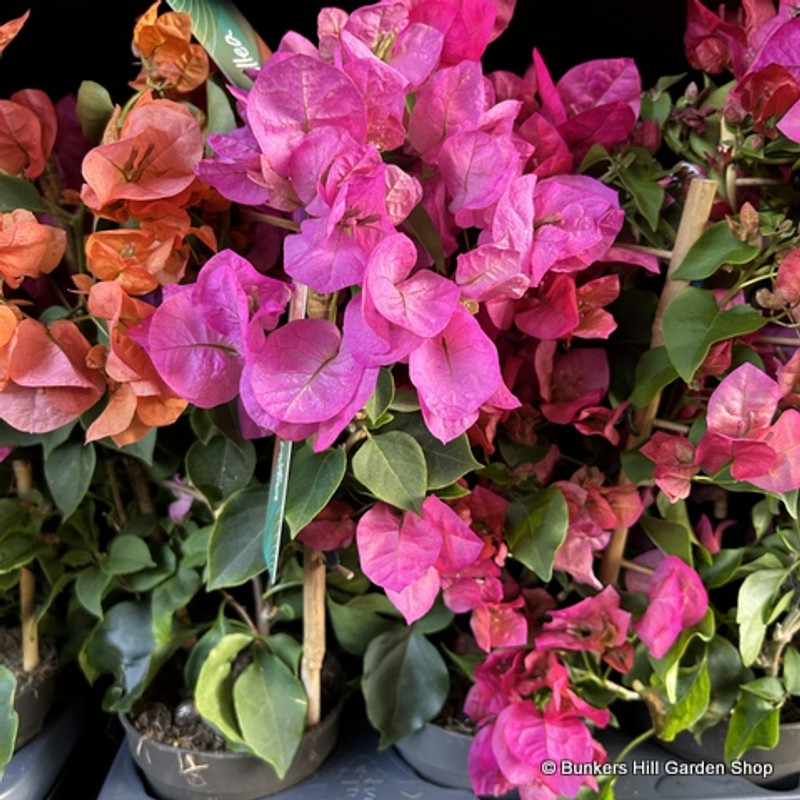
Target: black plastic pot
x=177, y=773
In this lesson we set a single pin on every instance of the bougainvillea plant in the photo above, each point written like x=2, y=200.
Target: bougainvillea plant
x=533, y=341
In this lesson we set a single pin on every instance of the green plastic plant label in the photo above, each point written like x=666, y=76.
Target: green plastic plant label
x=227, y=36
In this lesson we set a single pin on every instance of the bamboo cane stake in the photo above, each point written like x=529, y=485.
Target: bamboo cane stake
x=313, y=631
x=23, y=474
x=314, y=571
x=693, y=221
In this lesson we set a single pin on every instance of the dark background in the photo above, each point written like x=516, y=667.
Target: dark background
x=66, y=41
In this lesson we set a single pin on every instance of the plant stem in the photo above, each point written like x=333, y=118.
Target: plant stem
x=261, y=608
x=620, y=691
x=756, y=181
x=277, y=222
x=666, y=425
x=783, y=341
x=242, y=612
x=141, y=491
x=633, y=744
x=346, y=573
x=181, y=488
x=634, y=567
x=122, y=515
x=666, y=255
x=782, y=638
x=23, y=474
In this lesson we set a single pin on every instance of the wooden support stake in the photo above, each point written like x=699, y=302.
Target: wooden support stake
x=314, y=571
x=23, y=473
x=695, y=215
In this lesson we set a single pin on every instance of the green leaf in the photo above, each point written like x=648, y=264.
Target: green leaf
x=725, y=667
x=146, y=579
x=122, y=646
x=168, y=597
x=287, y=649
x=235, y=552
x=378, y=404
x=220, y=467
x=753, y=607
x=422, y=228
x=68, y=472
x=767, y=688
x=597, y=154
x=202, y=425
x=653, y=372
x=638, y=468
x=56, y=587
x=405, y=683
x=362, y=618
x=656, y=108
x=90, y=588
x=465, y=663
x=225, y=419
x=791, y=670
x=693, y=322
x=271, y=707
x=671, y=538
x=8, y=717
x=668, y=668
x=127, y=554
x=143, y=450
x=205, y=644
x=51, y=440
x=436, y=619
x=194, y=549
x=94, y=109
x=754, y=722
x=446, y=463
x=537, y=526
x=213, y=694
x=313, y=480
x=221, y=118
x=19, y=193
x=18, y=547
x=641, y=181
x=694, y=693
x=716, y=246
x=722, y=568
x=391, y=466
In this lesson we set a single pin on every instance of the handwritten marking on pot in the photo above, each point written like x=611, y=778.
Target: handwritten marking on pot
x=191, y=771
x=360, y=779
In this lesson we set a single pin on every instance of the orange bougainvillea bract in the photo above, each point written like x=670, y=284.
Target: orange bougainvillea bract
x=27, y=133
x=168, y=55
x=10, y=29
x=154, y=157
x=28, y=248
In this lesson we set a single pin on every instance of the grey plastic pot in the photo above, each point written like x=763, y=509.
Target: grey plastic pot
x=439, y=755
x=177, y=773
x=32, y=703
x=776, y=768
